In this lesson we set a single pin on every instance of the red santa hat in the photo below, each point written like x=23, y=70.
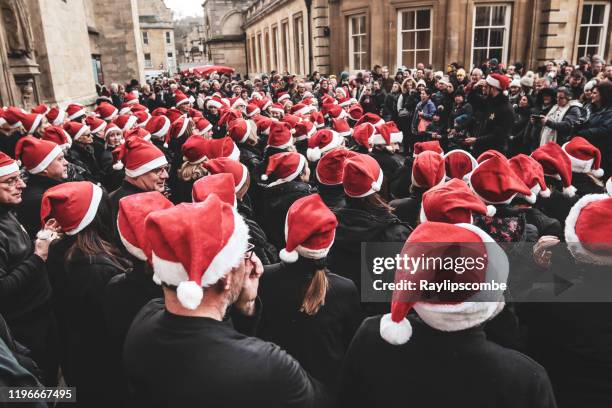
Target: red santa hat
x=130, y=98
x=362, y=176
x=142, y=118
x=2, y=120
x=158, y=126
x=283, y=167
x=159, y=112
x=281, y=96
x=240, y=129
x=498, y=81
x=138, y=156
x=304, y=130
x=125, y=121
x=96, y=125
x=452, y=202
x=192, y=256
x=197, y=149
x=178, y=129
x=466, y=310
x=56, y=116
x=386, y=134
x=109, y=128
x=496, y=183
x=173, y=114
x=336, y=112
x=292, y=120
x=277, y=108
x=328, y=100
x=126, y=109
x=263, y=124
x=202, y=125
x=432, y=145
x=301, y=109
x=322, y=142
x=428, y=170
x=7, y=164
x=133, y=210
x=215, y=102
x=318, y=119
x=531, y=172
x=13, y=116
x=355, y=112
x=180, y=98
x=344, y=102
x=342, y=127
x=57, y=135
x=74, y=205
x=252, y=110
x=585, y=157
x=41, y=109
x=75, y=110
x=557, y=164
x=310, y=227
x=31, y=121
x=363, y=134
x=221, y=184
x=138, y=108
x=263, y=103
x=280, y=135
x=588, y=229
x=194, y=113
x=458, y=163
x=228, y=116
x=330, y=168
x=342, y=91
x=137, y=132
x=372, y=118
x=233, y=167
x=106, y=111
x=76, y=130
x=490, y=153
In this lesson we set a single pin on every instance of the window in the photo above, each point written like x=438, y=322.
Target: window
x=253, y=56
x=145, y=38
x=414, y=37
x=274, y=48
x=358, y=43
x=170, y=55
x=147, y=61
x=168, y=37
x=259, y=54
x=285, y=55
x=593, y=26
x=490, y=33
x=267, y=50
x=298, y=39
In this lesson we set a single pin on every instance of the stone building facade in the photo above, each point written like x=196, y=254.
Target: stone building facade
x=287, y=36
x=223, y=33
x=193, y=46
x=157, y=36
x=397, y=33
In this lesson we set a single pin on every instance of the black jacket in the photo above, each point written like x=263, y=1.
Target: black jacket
x=495, y=129
x=179, y=361
x=318, y=342
x=597, y=130
x=265, y=250
x=83, y=156
x=566, y=125
x=276, y=201
x=332, y=196
x=126, y=189
x=440, y=369
x=28, y=211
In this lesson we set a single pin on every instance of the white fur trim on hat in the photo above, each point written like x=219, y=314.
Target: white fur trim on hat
x=578, y=165
x=80, y=112
x=56, y=151
x=80, y=133
x=132, y=249
x=249, y=129
x=579, y=252
x=35, y=124
x=61, y=115
x=290, y=177
x=275, y=109
x=455, y=317
x=243, y=179
x=493, y=82
x=130, y=123
x=609, y=186
x=11, y=168
x=308, y=135
x=164, y=129
x=91, y=211
x=395, y=333
x=213, y=103
x=147, y=167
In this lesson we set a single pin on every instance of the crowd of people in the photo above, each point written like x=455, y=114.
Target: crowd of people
x=197, y=240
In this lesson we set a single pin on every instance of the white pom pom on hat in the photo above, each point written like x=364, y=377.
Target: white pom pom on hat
x=190, y=294
x=609, y=186
x=597, y=173
x=288, y=256
x=313, y=154
x=491, y=210
x=545, y=193
x=118, y=165
x=375, y=186
x=264, y=177
x=395, y=333
x=569, y=191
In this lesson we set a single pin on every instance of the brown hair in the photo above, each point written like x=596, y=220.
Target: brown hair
x=314, y=297
x=191, y=171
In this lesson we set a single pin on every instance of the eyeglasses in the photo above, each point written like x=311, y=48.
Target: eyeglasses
x=161, y=170
x=248, y=255
x=13, y=181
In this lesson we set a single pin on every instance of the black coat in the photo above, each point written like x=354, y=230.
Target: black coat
x=440, y=369
x=408, y=209
x=585, y=184
x=180, y=361
x=318, y=342
x=84, y=157
x=597, y=130
x=332, y=196
x=276, y=201
x=265, y=250
x=126, y=189
x=28, y=211
x=389, y=163
x=495, y=129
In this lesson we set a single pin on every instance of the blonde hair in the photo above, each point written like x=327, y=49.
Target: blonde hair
x=192, y=171
x=315, y=294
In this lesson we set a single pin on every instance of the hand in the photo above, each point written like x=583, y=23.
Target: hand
x=543, y=120
x=469, y=141
x=532, y=120
x=253, y=270
x=482, y=82
x=50, y=232
x=420, y=114
x=435, y=135
x=541, y=255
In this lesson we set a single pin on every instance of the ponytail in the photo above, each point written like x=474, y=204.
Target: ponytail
x=315, y=294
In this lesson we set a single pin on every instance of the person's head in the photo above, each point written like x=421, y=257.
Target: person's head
x=548, y=98
x=596, y=67
x=11, y=183
x=424, y=94
x=42, y=157
x=301, y=87
x=57, y=169
x=602, y=94
x=376, y=86
x=510, y=70
x=541, y=83
x=459, y=98
x=460, y=74
x=395, y=88
x=524, y=102
x=145, y=165
x=420, y=73
x=154, y=180
x=549, y=66
x=476, y=75
x=385, y=72
x=564, y=95
x=608, y=72
x=113, y=138
x=568, y=70
x=576, y=78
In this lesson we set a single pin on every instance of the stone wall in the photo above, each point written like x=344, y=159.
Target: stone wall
x=229, y=53
x=156, y=20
